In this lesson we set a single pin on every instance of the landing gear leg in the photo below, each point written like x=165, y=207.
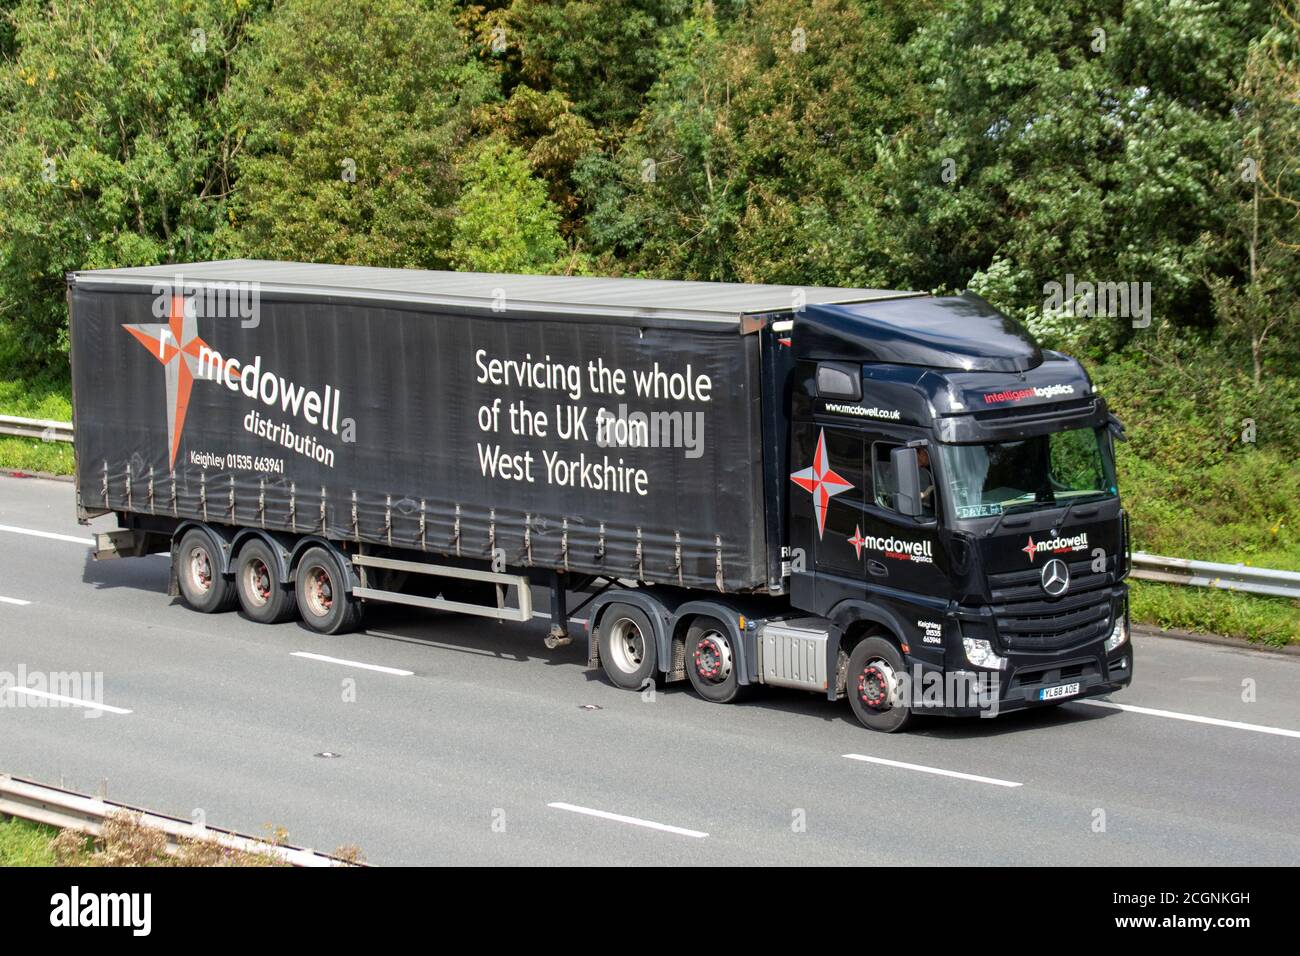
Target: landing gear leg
x=559, y=633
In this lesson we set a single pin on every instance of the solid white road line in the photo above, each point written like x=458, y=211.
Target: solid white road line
x=46, y=534
x=634, y=821
x=1194, y=718
x=17, y=601
x=398, y=672
x=943, y=773
x=46, y=695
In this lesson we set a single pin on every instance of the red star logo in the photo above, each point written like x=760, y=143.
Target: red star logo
x=1030, y=549
x=821, y=481
x=857, y=540
x=176, y=345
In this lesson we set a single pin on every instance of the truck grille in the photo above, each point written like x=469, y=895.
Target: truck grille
x=1028, y=620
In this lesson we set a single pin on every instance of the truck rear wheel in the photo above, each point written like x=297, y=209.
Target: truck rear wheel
x=876, y=686
x=262, y=593
x=198, y=571
x=627, y=646
x=711, y=661
x=322, y=593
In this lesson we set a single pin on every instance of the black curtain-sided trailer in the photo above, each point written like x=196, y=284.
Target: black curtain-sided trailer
x=309, y=438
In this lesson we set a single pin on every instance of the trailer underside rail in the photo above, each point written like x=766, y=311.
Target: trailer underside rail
x=523, y=612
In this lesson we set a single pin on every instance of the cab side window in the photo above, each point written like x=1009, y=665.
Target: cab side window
x=882, y=474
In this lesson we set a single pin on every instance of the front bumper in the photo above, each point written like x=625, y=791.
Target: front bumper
x=966, y=691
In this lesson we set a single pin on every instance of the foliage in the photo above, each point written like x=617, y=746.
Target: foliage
x=347, y=124
x=23, y=843
x=1264, y=620
x=1208, y=472
x=110, y=153
x=504, y=221
x=1256, y=297
x=602, y=55
x=751, y=158
x=555, y=137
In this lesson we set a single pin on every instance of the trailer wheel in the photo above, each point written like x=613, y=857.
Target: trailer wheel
x=627, y=646
x=322, y=592
x=262, y=593
x=198, y=570
x=875, y=686
x=711, y=661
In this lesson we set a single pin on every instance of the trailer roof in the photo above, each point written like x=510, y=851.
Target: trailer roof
x=715, y=304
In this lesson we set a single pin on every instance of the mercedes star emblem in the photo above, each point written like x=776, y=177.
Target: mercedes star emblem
x=1056, y=577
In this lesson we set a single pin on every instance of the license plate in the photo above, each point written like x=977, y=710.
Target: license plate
x=1059, y=691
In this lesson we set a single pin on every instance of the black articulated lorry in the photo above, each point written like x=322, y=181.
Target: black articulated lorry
x=886, y=496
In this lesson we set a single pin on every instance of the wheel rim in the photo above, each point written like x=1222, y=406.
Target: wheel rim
x=713, y=660
x=319, y=591
x=878, y=685
x=200, y=569
x=627, y=645
x=257, y=582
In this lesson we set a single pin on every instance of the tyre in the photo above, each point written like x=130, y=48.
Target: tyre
x=322, y=594
x=712, y=663
x=876, y=686
x=627, y=646
x=261, y=591
x=198, y=570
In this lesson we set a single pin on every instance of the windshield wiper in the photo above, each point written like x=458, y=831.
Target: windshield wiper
x=1074, y=501
x=1002, y=514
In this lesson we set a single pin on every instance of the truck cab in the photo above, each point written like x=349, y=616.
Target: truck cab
x=953, y=510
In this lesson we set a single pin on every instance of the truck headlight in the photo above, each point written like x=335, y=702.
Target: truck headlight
x=981, y=654
x=1117, y=636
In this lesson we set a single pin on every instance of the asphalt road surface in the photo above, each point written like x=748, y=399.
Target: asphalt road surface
x=462, y=741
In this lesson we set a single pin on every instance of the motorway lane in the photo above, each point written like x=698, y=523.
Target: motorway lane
x=490, y=729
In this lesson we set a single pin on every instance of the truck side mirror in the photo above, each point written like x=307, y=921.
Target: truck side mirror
x=907, y=482
x=1115, y=427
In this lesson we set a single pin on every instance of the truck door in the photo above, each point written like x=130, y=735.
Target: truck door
x=900, y=551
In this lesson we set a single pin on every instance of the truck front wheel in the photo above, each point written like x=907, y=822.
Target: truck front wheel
x=627, y=646
x=323, y=598
x=198, y=571
x=877, y=686
x=262, y=594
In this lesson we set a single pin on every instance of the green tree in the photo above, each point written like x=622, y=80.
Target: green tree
x=1255, y=295
x=111, y=151
x=602, y=55
x=352, y=119
x=504, y=221
x=754, y=156
x=555, y=138
x=1069, y=137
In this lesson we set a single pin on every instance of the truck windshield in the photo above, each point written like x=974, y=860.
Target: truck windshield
x=1042, y=471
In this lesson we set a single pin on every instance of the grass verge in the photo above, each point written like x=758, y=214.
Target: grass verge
x=23, y=843
x=29, y=455
x=126, y=841
x=1260, y=620
x=47, y=395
